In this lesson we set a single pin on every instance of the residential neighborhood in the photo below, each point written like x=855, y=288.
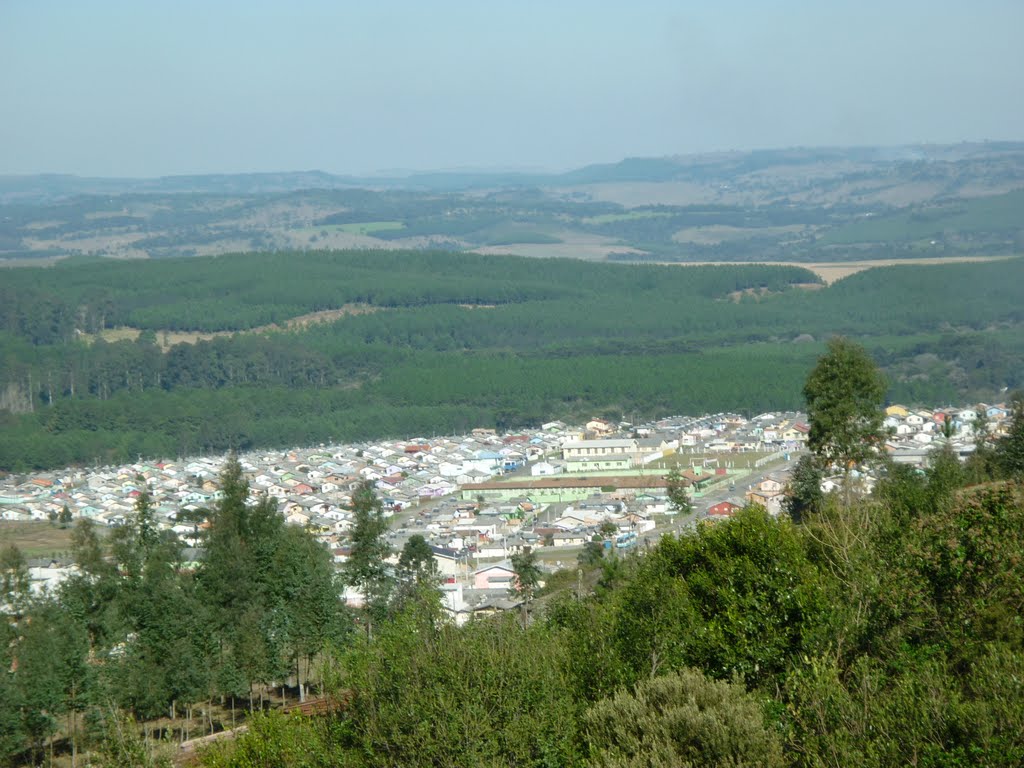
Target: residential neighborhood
x=481, y=498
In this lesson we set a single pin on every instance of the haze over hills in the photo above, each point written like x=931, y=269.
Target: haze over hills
x=958, y=162
x=823, y=204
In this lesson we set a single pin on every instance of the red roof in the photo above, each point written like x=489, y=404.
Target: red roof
x=723, y=509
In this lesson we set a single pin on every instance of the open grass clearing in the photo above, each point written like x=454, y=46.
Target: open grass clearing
x=608, y=218
x=994, y=213
x=167, y=339
x=830, y=272
x=718, y=233
x=366, y=227
x=35, y=539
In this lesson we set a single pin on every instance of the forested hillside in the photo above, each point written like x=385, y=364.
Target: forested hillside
x=420, y=342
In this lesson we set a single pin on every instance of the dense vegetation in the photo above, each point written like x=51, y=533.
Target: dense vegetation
x=144, y=630
x=883, y=633
x=440, y=342
x=878, y=631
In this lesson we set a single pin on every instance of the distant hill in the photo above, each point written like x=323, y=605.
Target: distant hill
x=797, y=204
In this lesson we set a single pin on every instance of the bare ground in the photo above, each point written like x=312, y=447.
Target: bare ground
x=830, y=272
x=167, y=339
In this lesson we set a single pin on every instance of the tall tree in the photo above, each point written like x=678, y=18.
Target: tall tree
x=844, y=394
x=804, y=496
x=53, y=672
x=304, y=590
x=12, y=735
x=1010, y=448
x=416, y=563
x=675, y=487
x=14, y=581
x=366, y=568
x=234, y=581
x=527, y=579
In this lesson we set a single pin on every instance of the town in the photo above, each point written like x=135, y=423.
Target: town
x=481, y=498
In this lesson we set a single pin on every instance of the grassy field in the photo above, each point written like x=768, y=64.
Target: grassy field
x=830, y=272
x=608, y=218
x=167, y=339
x=718, y=233
x=35, y=539
x=1000, y=212
x=366, y=227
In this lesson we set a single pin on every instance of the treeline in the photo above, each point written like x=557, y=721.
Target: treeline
x=434, y=393
x=424, y=393
x=509, y=341
x=236, y=292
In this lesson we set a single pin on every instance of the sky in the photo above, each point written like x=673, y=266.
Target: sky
x=166, y=87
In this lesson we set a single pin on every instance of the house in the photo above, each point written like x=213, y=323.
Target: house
x=797, y=433
x=770, y=500
x=723, y=509
x=497, y=576
x=996, y=413
x=569, y=539
x=447, y=560
x=543, y=468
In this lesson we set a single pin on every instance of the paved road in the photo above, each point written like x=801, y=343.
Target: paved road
x=718, y=493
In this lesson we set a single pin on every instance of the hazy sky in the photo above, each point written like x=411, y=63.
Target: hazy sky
x=154, y=87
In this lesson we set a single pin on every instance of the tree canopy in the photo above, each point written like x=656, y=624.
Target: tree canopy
x=844, y=394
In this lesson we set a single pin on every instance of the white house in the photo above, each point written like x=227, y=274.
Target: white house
x=543, y=468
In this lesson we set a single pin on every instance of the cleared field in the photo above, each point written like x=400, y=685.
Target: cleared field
x=715, y=234
x=830, y=272
x=608, y=218
x=997, y=213
x=367, y=227
x=35, y=539
x=167, y=339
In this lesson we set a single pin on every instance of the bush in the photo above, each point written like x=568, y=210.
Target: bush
x=681, y=720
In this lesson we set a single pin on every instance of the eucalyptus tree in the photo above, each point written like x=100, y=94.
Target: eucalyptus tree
x=366, y=568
